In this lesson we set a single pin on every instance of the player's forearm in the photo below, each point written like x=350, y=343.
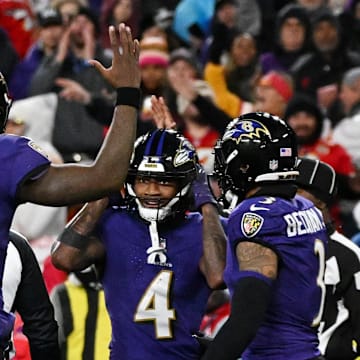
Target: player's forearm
x=76, y=248
x=113, y=159
x=214, y=246
x=249, y=303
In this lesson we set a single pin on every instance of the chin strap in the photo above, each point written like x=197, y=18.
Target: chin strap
x=157, y=251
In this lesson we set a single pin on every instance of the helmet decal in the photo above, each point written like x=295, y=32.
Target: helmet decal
x=255, y=148
x=184, y=154
x=246, y=129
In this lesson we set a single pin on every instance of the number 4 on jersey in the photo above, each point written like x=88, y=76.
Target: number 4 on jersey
x=154, y=305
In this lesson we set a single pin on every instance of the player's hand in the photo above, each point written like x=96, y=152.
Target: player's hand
x=124, y=70
x=73, y=91
x=201, y=190
x=161, y=114
x=203, y=340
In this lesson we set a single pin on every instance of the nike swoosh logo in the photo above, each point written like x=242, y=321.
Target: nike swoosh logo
x=253, y=207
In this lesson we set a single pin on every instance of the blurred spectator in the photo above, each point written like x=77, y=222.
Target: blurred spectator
x=50, y=32
x=347, y=131
x=292, y=39
x=9, y=56
x=350, y=22
x=77, y=135
x=223, y=26
x=24, y=291
x=17, y=18
x=241, y=66
x=319, y=73
x=84, y=324
x=196, y=128
x=313, y=7
x=160, y=24
x=153, y=60
x=307, y=119
x=114, y=12
x=68, y=8
x=248, y=17
x=238, y=76
x=273, y=92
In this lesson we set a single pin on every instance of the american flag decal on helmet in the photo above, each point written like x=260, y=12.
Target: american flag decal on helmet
x=285, y=152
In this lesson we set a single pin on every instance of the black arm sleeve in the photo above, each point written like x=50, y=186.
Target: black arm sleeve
x=34, y=306
x=248, y=307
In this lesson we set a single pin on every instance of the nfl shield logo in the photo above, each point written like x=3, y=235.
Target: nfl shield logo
x=273, y=165
x=251, y=224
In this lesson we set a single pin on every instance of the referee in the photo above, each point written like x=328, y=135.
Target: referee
x=25, y=292
x=339, y=331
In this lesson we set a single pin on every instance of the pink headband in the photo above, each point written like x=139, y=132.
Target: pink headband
x=153, y=57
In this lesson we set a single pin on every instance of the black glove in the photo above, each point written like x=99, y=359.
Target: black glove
x=203, y=340
x=201, y=190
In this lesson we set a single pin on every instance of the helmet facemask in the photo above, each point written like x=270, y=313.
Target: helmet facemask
x=163, y=155
x=5, y=103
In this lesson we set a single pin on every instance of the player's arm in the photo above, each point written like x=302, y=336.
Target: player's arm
x=65, y=184
x=258, y=268
x=212, y=263
x=77, y=246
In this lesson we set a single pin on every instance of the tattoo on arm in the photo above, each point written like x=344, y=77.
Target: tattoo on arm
x=258, y=258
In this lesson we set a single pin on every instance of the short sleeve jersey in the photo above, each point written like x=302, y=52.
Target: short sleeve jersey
x=155, y=293
x=295, y=231
x=20, y=159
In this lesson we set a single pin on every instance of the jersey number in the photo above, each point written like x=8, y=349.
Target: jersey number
x=320, y=253
x=154, y=305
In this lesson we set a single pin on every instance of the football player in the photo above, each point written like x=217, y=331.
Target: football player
x=276, y=246
x=161, y=261
x=28, y=176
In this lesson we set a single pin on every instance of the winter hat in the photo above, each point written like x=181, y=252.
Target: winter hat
x=318, y=178
x=293, y=11
x=185, y=55
x=49, y=17
x=153, y=51
x=303, y=102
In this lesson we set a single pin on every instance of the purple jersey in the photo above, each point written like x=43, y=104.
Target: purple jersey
x=155, y=292
x=295, y=231
x=20, y=159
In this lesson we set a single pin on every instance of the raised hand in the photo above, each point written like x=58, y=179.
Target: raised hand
x=161, y=113
x=73, y=91
x=124, y=70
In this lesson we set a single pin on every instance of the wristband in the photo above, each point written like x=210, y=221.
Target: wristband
x=129, y=96
x=74, y=239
